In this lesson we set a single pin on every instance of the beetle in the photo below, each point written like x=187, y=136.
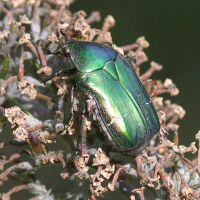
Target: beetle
x=121, y=103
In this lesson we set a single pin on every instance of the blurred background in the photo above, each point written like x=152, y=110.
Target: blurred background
x=172, y=29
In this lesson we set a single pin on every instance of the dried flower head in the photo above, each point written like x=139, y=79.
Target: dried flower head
x=142, y=42
x=156, y=66
x=178, y=110
x=100, y=158
x=108, y=171
x=45, y=70
x=53, y=38
x=28, y=88
x=44, y=137
x=118, y=49
x=21, y=133
x=140, y=55
x=173, y=89
x=65, y=2
x=15, y=116
x=66, y=16
x=62, y=90
x=109, y=21
x=12, y=23
x=4, y=34
x=63, y=26
x=24, y=19
x=16, y=3
x=25, y=39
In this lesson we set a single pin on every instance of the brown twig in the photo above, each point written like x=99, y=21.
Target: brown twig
x=4, y=144
x=13, y=157
x=139, y=164
x=92, y=197
x=57, y=17
x=21, y=66
x=189, y=163
x=22, y=30
x=41, y=53
x=3, y=86
x=46, y=98
x=108, y=23
x=140, y=191
x=94, y=17
x=34, y=128
x=116, y=176
x=17, y=189
x=129, y=47
x=148, y=73
x=32, y=47
x=14, y=178
x=8, y=171
x=156, y=148
x=9, y=14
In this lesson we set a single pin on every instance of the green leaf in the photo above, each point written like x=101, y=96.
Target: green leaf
x=5, y=68
x=35, y=63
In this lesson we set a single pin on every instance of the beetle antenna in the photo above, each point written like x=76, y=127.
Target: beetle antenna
x=48, y=52
x=64, y=34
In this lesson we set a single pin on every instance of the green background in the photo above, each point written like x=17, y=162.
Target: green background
x=172, y=28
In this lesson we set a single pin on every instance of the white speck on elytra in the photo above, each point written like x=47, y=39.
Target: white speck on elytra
x=111, y=122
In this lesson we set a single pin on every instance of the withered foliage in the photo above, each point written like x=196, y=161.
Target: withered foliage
x=38, y=117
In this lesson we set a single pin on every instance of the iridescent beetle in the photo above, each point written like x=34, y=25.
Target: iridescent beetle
x=121, y=104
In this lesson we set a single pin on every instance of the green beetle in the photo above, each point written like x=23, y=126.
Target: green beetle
x=122, y=105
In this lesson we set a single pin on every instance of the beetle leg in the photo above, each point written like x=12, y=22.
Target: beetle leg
x=72, y=107
x=90, y=103
x=81, y=145
x=71, y=112
x=64, y=71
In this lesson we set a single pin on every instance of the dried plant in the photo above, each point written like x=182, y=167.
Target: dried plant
x=37, y=113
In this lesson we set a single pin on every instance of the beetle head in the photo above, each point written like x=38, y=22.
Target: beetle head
x=64, y=50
